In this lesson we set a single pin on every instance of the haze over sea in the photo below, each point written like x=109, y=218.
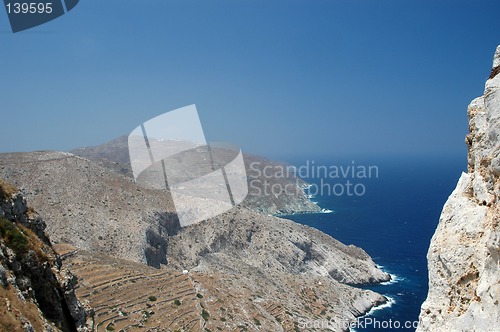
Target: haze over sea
x=393, y=221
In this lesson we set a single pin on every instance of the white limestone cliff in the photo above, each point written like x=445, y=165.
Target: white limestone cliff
x=463, y=258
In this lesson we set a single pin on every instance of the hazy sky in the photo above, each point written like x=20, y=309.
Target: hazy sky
x=274, y=77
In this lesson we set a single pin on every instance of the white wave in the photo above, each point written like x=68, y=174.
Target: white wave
x=326, y=211
x=394, y=279
x=388, y=304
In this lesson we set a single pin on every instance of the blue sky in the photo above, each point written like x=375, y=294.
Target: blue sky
x=278, y=78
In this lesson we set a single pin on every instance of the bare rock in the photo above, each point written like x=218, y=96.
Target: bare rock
x=464, y=255
x=3, y=276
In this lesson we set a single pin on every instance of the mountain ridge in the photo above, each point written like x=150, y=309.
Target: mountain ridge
x=261, y=172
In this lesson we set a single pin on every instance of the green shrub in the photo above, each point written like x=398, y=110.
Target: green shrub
x=177, y=302
x=198, y=295
x=13, y=237
x=152, y=298
x=205, y=315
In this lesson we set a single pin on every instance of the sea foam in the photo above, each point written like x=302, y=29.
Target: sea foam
x=394, y=279
x=388, y=304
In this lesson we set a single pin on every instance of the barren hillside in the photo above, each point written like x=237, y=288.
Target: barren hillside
x=250, y=264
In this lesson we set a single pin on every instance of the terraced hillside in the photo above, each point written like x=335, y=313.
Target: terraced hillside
x=129, y=297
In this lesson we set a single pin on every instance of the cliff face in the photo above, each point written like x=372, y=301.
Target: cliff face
x=35, y=293
x=463, y=258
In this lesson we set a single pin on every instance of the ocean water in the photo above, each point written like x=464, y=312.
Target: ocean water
x=393, y=221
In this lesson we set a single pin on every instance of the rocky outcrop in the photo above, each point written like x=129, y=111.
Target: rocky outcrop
x=464, y=255
x=35, y=293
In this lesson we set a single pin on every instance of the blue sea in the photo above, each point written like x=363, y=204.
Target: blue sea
x=393, y=221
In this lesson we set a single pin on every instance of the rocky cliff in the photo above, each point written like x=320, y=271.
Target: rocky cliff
x=36, y=294
x=463, y=258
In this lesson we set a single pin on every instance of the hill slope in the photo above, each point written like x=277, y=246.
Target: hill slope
x=274, y=261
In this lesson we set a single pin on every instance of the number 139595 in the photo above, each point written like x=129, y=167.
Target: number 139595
x=29, y=8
